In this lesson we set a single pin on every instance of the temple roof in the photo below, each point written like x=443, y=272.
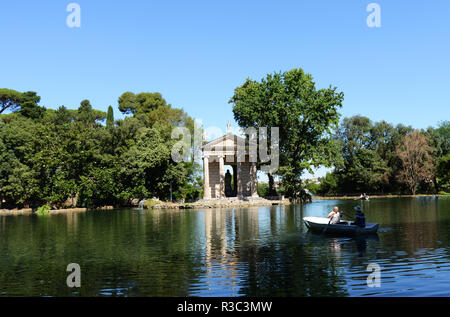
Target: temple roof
x=228, y=139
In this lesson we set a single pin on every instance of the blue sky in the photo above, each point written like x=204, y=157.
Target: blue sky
x=196, y=52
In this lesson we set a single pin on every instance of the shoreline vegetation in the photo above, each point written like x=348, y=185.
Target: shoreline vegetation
x=203, y=204
x=158, y=204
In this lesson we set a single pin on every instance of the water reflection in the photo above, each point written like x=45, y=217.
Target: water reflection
x=361, y=245
x=221, y=263
x=258, y=252
x=263, y=251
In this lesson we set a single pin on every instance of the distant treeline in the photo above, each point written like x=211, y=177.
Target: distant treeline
x=84, y=158
x=380, y=158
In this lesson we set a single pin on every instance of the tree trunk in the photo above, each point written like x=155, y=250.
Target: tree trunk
x=436, y=185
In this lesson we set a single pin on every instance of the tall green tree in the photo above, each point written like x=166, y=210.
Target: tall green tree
x=29, y=105
x=62, y=116
x=9, y=100
x=146, y=162
x=443, y=173
x=19, y=182
x=130, y=103
x=87, y=115
x=440, y=140
x=110, y=118
x=363, y=148
x=443, y=132
x=304, y=115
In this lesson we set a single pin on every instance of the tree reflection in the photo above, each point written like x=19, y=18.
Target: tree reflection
x=120, y=253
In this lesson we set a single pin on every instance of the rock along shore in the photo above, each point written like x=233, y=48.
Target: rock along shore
x=220, y=203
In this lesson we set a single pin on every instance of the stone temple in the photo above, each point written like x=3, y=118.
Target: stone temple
x=227, y=171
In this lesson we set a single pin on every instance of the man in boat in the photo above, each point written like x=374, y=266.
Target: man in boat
x=360, y=218
x=335, y=216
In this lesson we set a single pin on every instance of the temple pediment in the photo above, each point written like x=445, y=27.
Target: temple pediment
x=227, y=145
x=228, y=140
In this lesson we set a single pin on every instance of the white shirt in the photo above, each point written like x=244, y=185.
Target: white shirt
x=336, y=218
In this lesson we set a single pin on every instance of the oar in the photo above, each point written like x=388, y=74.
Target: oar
x=325, y=229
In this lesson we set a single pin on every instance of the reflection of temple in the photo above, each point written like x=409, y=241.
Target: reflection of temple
x=224, y=151
x=226, y=228
x=215, y=233
x=247, y=223
x=225, y=231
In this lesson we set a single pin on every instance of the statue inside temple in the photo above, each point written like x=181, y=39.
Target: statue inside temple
x=228, y=188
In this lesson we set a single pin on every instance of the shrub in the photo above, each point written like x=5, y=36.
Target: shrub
x=43, y=210
x=263, y=189
x=313, y=187
x=149, y=203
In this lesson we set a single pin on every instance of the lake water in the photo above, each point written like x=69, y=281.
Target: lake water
x=261, y=251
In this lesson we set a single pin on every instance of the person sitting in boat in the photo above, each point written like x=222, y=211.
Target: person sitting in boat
x=364, y=196
x=360, y=218
x=335, y=216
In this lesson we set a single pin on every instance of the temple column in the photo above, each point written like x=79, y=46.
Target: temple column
x=234, y=180
x=254, y=185
x=206, y=189
x=222, y=177
x=239, y=182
